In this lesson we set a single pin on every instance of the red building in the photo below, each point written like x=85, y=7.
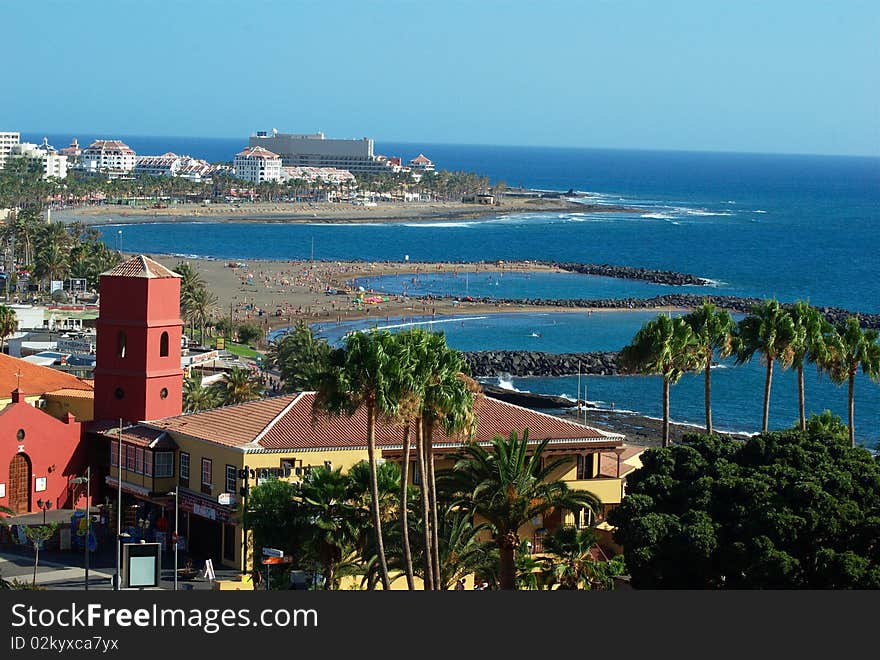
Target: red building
x=42, y=454
x=137, y=373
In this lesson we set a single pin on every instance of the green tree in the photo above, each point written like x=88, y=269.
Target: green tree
x=239, y=386
x=273, y=516
x=666, y=347
x=571, y=563
x=769, y=332
x=509, y=485
x=713, y=330
x=808, y=345
x=850, y=349
x=196, y=397
x=8, y=324
x=785, y=509
x=301, y=358
x=359, y=375
x=249, y=333
x=37, y=535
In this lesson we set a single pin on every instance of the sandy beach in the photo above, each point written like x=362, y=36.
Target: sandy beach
x=278, y=293
x=335, y=212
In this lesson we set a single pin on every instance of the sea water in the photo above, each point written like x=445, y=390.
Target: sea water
x=790, y=227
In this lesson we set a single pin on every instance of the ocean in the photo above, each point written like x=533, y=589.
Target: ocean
x=784, y=226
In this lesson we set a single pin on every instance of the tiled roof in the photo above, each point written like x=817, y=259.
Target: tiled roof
x=70, y=393
x=140, y=436
x=230, y=425
x=421, y=159
x=35, y=379
x=608, y=462
x=257, y=152
x=287, y=422
x=104, y=145
x=140, y=266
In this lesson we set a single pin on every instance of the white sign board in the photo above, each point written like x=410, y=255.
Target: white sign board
x=273, y=552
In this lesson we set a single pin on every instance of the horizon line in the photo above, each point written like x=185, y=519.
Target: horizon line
x=489, y=144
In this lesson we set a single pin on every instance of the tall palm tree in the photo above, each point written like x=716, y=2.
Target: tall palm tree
x=360, y=375
x=808, y=345
x=447, y=402
x=201, y=303
x=8, y=324
x=666, y=347
x=768, y=331
x=713, y=330
x=573, y=565
x=851, y=349
x=509, y=485
x=239, y=386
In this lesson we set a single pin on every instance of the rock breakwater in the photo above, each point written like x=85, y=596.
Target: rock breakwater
x=488, y=364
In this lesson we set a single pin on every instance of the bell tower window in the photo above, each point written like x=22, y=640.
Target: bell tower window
x=121, y=341
x=163, y=345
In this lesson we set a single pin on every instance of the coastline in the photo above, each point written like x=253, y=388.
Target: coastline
x=326, y=212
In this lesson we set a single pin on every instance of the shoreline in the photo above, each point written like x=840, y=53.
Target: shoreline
x=326, y=212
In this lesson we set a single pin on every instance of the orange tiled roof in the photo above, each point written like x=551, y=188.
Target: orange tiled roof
x=258, y=152
x=140, y=266
x=35, y=379
x=72, y=393
x=286, y=422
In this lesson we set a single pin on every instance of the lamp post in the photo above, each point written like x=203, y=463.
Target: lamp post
x=87, y=480
x=176, y=494
x=117, y=577
x=44, y=506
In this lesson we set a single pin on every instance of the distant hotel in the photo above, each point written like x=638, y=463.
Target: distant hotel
x=317, y=151
x=53, y=164
x=111, y=157
x=257, y=165
x=170, y=164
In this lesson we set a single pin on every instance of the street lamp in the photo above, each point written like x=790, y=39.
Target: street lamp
x=119, y=240
x=176, y=538
x=44, y=506
x=87, y=480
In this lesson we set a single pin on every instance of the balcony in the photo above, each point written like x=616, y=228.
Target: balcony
x=608, y=490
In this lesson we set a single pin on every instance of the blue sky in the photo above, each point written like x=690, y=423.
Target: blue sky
x=764, y=76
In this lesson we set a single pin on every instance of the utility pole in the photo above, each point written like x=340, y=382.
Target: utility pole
x=118, y=508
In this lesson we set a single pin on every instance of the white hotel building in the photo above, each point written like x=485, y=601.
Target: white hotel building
x=8, y=140
x=170, y=164
x=257, y=165
x=315, y=150
x=54, y=164
x=112, y=157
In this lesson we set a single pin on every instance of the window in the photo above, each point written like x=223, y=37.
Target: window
x=585, y=466
x=114, y=454
x=139, y=460
x=207, y=475
x=184, y=469
x=163, y=393
x=121, y=341
x=148, y=463
x=163, y=345
x=119, y=393
x=129, y=458
x=230, y=478
x=416, y=477
x=164, y=464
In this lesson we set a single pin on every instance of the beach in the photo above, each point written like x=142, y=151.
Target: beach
x=331, y=212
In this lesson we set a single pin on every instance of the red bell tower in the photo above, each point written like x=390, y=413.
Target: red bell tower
x=137, y=371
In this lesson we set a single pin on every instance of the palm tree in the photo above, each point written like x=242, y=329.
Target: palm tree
x=360, y=375
x=768, y=330
x=8, y=324
x=239, y=386
x=573, y=565
x=851, y=349
x=810, y=332
x=667, y=347
x=447, y=402
x=196, y=397
x=713, y=330
x=332, y=527
x=509, y=485
x=200, y=303
x=300, y=357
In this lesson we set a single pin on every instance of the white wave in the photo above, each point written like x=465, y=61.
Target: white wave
x=730, y=201
x=507, y=384
x=703, y=212
x=715, y=283
x=719, y=366
x=430, y=322
x=658, y=216
x=759, y=211
x=443, y=225
x=694, y=425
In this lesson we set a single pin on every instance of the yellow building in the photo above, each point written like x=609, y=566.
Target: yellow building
x=56, y=392
x=208, y=454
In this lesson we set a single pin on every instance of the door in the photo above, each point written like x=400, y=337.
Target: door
x=20, y=483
